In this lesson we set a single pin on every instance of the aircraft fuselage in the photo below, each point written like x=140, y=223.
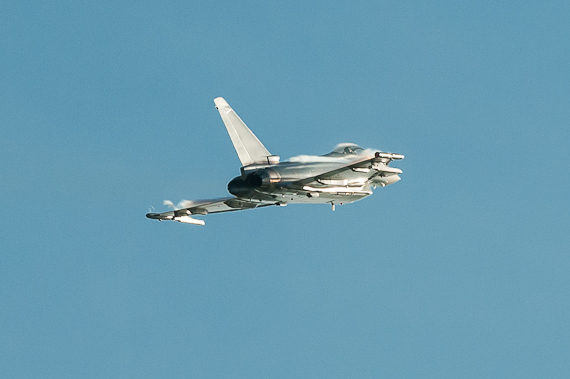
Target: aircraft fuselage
x=283, y=182
x=345, y=175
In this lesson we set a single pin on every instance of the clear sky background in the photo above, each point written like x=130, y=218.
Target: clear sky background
x=462, y=269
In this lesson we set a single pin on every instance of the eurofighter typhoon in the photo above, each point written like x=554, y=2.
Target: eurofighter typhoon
x=345, y=175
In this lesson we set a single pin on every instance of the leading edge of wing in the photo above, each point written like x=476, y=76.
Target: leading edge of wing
x=204, y=207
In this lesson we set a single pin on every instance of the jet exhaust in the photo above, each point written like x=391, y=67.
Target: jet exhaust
x=247, y=185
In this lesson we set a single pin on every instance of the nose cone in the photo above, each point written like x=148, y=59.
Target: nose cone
x=391, y=179
x=386, y=180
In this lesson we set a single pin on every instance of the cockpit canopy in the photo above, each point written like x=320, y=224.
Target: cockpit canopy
x=345, y=149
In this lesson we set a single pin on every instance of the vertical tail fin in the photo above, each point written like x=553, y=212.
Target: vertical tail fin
x=249, y=149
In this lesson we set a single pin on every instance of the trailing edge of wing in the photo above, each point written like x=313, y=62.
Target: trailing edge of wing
x=248, y=147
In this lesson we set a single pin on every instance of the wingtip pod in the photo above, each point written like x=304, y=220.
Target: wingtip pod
x=157, y=216
x=172, y=217
x=390, y=156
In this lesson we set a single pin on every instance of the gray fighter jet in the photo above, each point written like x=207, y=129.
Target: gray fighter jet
x=345, y=175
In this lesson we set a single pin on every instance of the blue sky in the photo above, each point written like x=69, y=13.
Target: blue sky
x=459, y=270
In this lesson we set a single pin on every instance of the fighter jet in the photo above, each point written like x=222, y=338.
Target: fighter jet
x=345, y=175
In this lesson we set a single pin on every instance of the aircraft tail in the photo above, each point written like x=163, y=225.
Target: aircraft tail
x=249, y=149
